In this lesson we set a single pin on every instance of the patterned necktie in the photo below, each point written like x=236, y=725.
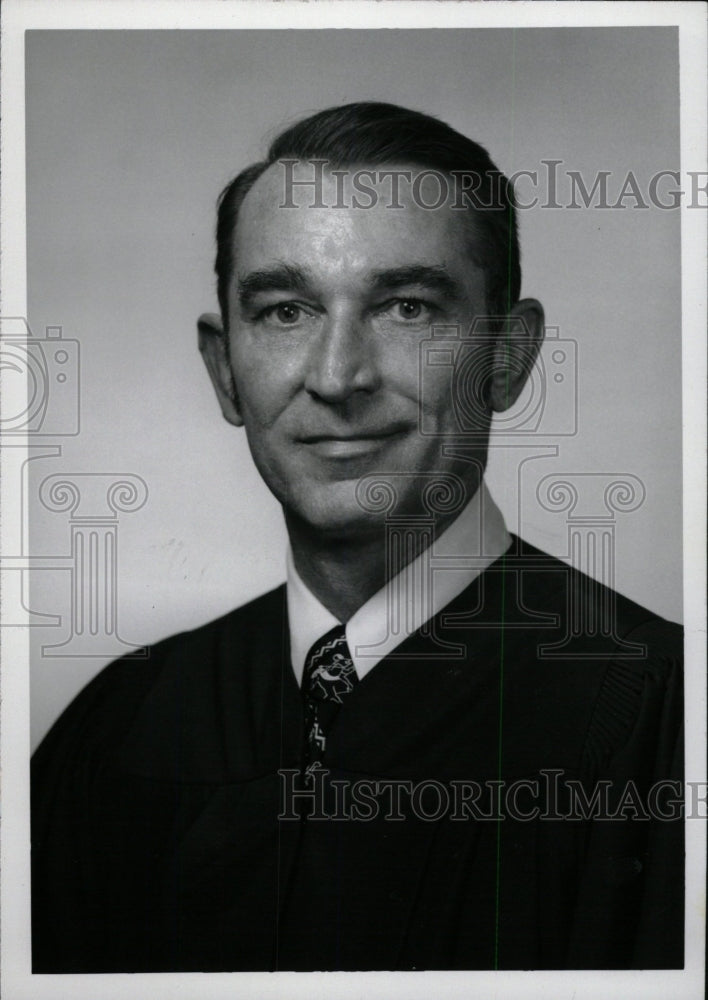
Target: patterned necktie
x=328, y=678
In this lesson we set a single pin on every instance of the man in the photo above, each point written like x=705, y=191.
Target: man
x=378, y=765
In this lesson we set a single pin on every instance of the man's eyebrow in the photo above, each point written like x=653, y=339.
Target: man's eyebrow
x=291, y=278
x=280, y=277
x=433, y=276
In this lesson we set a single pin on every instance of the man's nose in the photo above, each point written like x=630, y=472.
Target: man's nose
x=342, y=361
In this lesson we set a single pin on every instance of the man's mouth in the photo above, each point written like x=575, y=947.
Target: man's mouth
x=351, y=445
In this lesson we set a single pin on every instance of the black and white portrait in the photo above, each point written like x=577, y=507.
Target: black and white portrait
x=352, y=539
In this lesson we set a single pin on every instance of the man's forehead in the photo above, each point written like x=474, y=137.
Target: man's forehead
x=362, y=209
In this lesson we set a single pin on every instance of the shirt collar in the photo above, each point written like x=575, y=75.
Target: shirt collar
x=475, y=539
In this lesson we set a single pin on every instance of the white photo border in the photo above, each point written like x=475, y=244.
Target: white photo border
x=19, y=16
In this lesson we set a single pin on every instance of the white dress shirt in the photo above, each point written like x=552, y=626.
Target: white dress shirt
x=475, y=539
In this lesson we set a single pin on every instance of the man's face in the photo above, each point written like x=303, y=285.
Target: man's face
x=327, y=311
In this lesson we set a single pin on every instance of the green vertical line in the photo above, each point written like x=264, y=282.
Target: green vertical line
x=509, y=304
x=499, y=759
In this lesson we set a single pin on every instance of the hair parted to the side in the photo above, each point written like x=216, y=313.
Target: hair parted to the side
x=378, y=134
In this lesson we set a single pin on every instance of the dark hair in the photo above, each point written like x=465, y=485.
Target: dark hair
x=376, y=134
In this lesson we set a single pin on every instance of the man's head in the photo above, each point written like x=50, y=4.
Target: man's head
x=328, y=290
x=372, y=134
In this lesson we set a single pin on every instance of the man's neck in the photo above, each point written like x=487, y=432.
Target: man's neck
x=344, y=573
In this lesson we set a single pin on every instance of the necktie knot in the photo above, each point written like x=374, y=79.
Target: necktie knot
x=328, y=678
x=330, y=674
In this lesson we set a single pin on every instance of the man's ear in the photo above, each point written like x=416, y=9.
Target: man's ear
x=515, y=353
x=214, y=349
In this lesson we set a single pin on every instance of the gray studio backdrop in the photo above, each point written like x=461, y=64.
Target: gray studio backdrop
x=146, y=514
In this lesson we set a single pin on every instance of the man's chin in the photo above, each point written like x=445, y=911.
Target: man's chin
x=340, y=517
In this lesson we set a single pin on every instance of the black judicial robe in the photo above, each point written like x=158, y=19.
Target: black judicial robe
x=157, y=842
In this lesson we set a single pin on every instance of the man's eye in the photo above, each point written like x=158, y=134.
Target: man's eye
x=286, y=313
x=410, y=309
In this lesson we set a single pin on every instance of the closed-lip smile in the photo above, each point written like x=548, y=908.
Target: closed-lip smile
x=364, y=435
x=350, y=444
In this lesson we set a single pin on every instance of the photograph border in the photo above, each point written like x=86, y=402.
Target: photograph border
x=169, y=15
